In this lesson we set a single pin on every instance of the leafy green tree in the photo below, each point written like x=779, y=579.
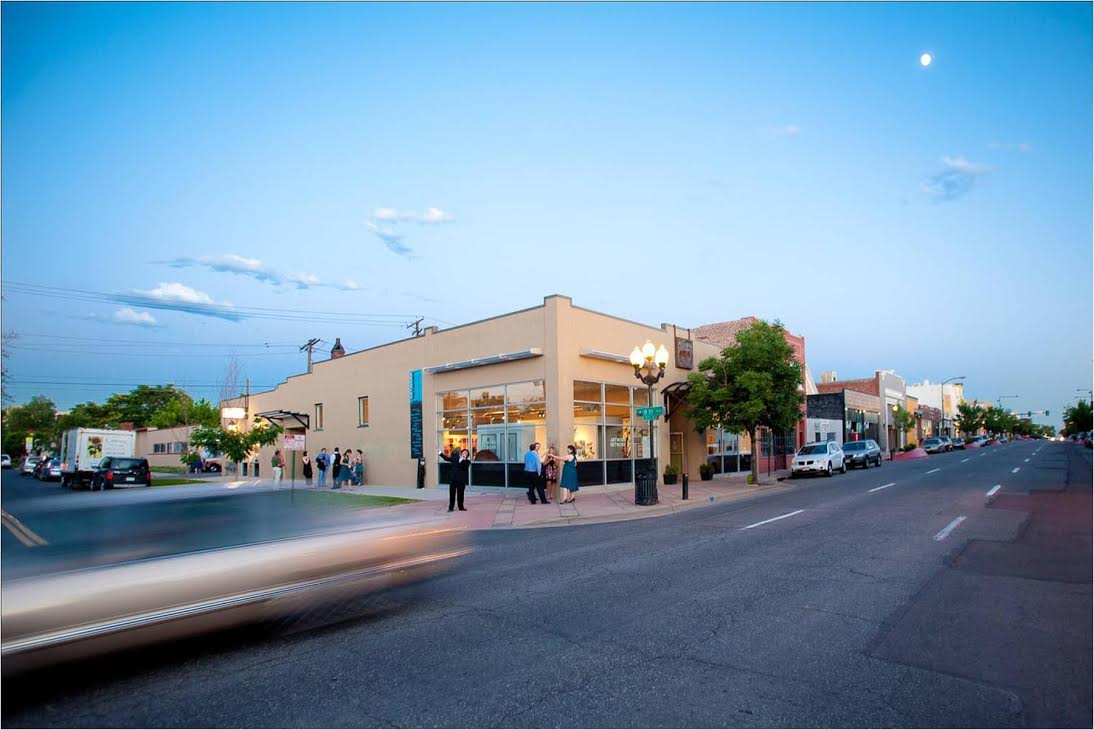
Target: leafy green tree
x=754, y=382
x=141, y=404
x=1079, y=418
x=186, y=412
x=970, y=417
x=236, y=444
x=85, y=415
x=903, y=421
x=37, y=417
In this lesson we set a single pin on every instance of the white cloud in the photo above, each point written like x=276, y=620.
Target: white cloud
x=178, y=297
x=255, y=268
x=391, y=238
x=955, y=180
x=382, y=223
x=960, y=164
x=787, y=130
x=349, y=285
x=302, y=280
x=176, y=292
x=128, y=315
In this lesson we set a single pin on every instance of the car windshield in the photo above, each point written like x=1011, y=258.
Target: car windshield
x=855, y=446
x=934, y=441
x=125, y=463
x=814, y=449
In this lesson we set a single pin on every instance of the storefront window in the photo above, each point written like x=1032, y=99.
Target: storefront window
x=532, y=392
x=585, y=391
x=617, y=394
x=617, y=431
x=492, y=396
x=454, y=400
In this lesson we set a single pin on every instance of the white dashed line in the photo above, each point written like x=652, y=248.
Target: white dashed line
x=932, y=471
x=964, y=460
x=780, y=517
x=883, y=486
x=1027, y=461
x=945, y=531
x=994, y=489
x=1015, y=470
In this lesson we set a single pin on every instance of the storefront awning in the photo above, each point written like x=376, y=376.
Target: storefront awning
x=601, y=355
x=490, y=360
x=674, y=395
x=302, y=418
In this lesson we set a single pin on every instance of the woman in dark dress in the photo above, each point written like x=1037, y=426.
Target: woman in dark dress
x=307, y=469
x=457, y=483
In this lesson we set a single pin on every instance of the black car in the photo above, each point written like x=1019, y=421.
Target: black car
x=117, y=471
x=862, y=453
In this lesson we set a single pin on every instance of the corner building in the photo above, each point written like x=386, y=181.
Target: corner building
x=556, y=374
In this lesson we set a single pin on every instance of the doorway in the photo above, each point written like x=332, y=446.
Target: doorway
x=676, y=451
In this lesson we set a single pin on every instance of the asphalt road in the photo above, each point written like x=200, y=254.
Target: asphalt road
x=860, y=600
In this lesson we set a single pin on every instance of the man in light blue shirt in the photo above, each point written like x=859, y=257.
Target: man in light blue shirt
x=532, y=466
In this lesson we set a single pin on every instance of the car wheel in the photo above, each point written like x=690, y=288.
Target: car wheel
x=828, y=472
x=843, y=468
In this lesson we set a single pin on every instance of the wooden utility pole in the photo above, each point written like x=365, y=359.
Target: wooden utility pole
x=308, y=346
x=417, y=325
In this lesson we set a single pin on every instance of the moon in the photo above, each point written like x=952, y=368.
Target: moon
x=925, y=60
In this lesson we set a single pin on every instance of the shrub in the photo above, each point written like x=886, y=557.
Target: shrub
x=705, y=469
x=910, y=447
x=671, y=470
x=751, y=479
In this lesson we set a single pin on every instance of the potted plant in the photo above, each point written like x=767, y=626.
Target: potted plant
x=706, y=472
x=671, y=471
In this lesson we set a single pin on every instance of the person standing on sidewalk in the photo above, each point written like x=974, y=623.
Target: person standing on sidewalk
x=347, y=468
x=359, y=468
x=532, y=466
x=335, y=468
x=569, y=476
x=550, y=472
x=321, y=464
x=307, y=469
x=276, y=462
x=457, y=482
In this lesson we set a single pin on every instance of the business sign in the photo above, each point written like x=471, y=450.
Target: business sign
x=650, y=413
x=685, y=353
x=29, y=444
x=415, y=414
x=294, y=442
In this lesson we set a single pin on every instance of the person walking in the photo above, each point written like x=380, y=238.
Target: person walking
x=457, y=482
x=569, y=476
x=359, y=468
x=550, y=472
x=307, y=469
x=532, y=466
x=321, y=461
x=276, y=463
x=336, y=469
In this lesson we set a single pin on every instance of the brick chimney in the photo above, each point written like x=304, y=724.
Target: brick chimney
x=337, y=351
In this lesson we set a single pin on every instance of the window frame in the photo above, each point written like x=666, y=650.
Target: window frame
x=362, y=400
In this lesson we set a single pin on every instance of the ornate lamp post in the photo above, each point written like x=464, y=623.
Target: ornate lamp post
x=649, y=366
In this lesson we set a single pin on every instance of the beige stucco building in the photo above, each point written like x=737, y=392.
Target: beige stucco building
x=555, y=374
x=164, y=446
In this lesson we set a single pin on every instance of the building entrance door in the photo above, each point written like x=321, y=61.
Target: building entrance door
x=676, y=451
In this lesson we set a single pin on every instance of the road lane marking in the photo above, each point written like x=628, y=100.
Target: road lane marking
x=780, y=517
x=883, y=486
x=964, y=460
x=1027, y=461
x=21, y=532
x=994, y=489
x=1015, y=470
x=932, y=471
x=945, y=531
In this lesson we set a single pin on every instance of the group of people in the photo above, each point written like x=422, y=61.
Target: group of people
x=346, y=467
x=546, y=475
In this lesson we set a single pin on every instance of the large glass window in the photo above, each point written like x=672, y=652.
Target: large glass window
x=496, y=423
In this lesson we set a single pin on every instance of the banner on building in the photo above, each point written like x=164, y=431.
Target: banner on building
x=415, y=414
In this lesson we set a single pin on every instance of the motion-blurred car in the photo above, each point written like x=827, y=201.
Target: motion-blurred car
x=49, y=470
x=819, y=458
x=29, y=465
x=958, y=442
x=121, y=471
x=947, y=443
x=1001, y=439
x=5, y=461
x=934, y=446
x=75, y=614
x=862, y=453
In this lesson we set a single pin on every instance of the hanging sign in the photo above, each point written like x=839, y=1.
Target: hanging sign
x=415, y=414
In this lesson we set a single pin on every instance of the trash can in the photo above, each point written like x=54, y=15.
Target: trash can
x=645, y=487
x=421, y=473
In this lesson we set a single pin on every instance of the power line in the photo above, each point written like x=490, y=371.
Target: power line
x=135, y=354
x=155, y=342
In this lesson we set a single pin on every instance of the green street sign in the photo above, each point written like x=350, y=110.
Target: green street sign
x=650, y=413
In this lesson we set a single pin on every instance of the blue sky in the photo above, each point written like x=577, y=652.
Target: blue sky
x=665, y=163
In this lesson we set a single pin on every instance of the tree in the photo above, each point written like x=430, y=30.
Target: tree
x=186, y=412
x=233, y=443
x=141, y=404
x=1078, y=418
x=37, y=417
x=970, y=417
x=903, y=421
x=754, y=382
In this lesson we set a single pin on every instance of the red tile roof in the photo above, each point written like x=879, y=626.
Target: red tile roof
x=723, y=334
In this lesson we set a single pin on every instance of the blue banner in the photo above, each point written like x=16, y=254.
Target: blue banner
x=415, y=414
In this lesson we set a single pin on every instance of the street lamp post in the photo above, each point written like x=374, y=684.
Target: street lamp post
x=649, y=366
x=942, y=401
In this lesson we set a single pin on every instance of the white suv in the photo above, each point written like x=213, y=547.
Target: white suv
x=823, y=457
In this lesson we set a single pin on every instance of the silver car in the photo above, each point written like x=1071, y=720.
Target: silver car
x=823, y=457
x=934, y=446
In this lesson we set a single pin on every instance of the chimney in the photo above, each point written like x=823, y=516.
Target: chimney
x=337, y=351
x=828, y=376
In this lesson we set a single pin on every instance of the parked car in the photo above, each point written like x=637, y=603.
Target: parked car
x=29, y=464
x=41, y=469
x=819, y=458
x=959, y=443
x=862, y=453
x=934, y=446
x=5, y=461
x=121, y=471
x=947, y=443
x=1001, y=439
x=50, y=470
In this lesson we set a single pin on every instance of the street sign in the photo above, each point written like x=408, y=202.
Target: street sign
x=650, y=413
x=294, y=442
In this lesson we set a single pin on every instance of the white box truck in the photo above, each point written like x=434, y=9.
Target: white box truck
x=83, y=448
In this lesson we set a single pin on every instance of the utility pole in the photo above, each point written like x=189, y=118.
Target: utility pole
x=308, y=346
x=417, y=325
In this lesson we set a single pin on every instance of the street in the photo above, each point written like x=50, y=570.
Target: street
x=950, y=591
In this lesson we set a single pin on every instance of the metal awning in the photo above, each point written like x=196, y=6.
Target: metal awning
x=674, y=392
x=489, y=360
x=302, y=418
x=601, y=355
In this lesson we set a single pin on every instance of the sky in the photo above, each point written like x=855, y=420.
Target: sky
x=184, y=183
